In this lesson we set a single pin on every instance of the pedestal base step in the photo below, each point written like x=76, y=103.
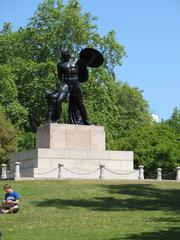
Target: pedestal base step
x=52, y=163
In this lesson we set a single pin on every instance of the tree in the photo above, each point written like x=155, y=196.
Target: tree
x=26, y=141
x=35, y=50
x=30, y=57
x=8, y=137
x=174, y=121
x=154, y=146
x=9, y=97
x=115, y=105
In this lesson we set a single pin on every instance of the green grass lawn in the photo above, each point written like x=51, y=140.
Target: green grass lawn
x=81, y=210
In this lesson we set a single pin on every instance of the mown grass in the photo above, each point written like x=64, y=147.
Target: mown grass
x=81, y=210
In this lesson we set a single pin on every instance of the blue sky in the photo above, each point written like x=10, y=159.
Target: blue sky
x=150, y=32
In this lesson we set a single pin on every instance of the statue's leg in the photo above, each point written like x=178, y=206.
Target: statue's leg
x=58, y=111
x=63, y=94
x=48, y=115
x=81, y=106
x=49, y=111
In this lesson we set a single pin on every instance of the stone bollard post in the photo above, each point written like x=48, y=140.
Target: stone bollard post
x=101, y=173
x=159, y=174
x=178, y=174
x=4, y=171
x=17, y=171
x=60, y=170
x=141, y=172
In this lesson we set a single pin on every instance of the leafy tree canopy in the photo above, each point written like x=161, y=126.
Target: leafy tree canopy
x=174, y=121
x=8, y=137
x=154, y=146
x=29, y=57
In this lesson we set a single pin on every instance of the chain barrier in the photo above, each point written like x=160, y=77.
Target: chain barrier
x=39, y=173
x=148, y=175
x=80, y=173
x=120, y=173
x=166, y=176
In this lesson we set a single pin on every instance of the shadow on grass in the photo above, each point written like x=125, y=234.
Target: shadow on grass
x=170, y=234
x=147, y=197
x=143, y=197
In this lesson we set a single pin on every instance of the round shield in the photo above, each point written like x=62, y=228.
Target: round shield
x=92, y=57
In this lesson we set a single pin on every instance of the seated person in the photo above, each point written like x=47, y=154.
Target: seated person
x=11, y=201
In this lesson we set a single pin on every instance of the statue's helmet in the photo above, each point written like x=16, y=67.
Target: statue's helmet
x=65, y=54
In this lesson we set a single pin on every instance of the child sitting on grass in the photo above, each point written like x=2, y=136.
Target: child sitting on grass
x=11, y=201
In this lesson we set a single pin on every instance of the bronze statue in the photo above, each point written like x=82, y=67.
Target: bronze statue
x=71, y=73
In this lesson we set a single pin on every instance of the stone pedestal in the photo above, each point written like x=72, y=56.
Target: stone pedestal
x=79, y=149
x=70, y=137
